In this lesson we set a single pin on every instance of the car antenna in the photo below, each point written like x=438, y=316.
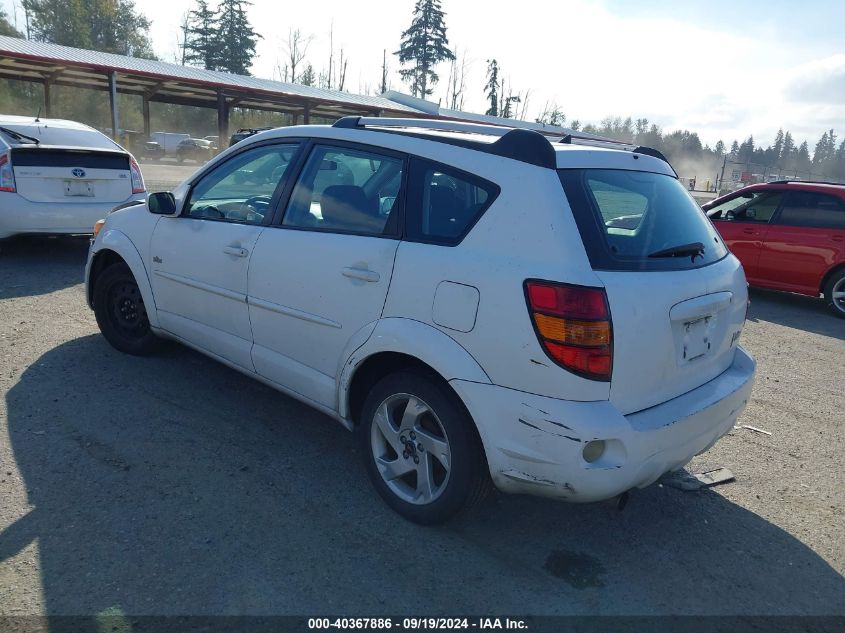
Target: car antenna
x=38, y=116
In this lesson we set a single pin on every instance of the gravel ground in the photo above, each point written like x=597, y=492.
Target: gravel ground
x=174, y=485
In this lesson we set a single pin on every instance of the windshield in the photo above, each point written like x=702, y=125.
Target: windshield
x=635, y=220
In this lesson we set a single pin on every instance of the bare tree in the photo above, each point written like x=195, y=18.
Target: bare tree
x=182, y=43
x=341, y=70
x=456, y=85
x=384, y=72
x=296, y=50
x=328, y=75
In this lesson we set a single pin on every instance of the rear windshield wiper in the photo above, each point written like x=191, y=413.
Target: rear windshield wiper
x=696, y=249
x=18, y=136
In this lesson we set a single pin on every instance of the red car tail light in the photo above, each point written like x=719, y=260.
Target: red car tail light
x=574, y=326
x=7, y=176
x=137, y=177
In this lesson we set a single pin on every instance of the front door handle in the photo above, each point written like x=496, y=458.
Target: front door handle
x=235, y=251
x=358, y=273
x=749, y=231
x=838, y=238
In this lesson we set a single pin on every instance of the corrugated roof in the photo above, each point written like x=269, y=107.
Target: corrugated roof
x=12, y=46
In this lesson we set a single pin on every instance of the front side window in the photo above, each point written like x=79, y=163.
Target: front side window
x=757, y=206
x=806, y=208
x=445, y=203
x=634, y=220
x=241, y=189
x=347, y=190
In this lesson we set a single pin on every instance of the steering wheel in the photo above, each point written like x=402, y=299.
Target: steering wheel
x=257, y=202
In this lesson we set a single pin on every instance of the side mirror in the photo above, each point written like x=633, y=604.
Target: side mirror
x=161, y=203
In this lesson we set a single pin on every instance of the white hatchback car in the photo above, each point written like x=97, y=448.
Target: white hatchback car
x=478, y=303
x=59, y=177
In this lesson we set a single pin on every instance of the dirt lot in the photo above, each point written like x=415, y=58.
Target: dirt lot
x=173, y=485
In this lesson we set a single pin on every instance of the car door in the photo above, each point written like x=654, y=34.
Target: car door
x=321, y=275
x=200, y=259
x=743, y=222
x=805, y=239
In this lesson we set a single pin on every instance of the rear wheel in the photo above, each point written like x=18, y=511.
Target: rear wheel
x=834, y=293
x=421, y=448
x=120, y=311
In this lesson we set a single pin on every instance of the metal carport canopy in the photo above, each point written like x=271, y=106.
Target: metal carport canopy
x=52, y=64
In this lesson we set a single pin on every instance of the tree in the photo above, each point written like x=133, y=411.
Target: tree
x=6, y=27
x=777, y=148
x=787, y=154
x=456, y=84
x=296, y=49
x=383, y=85
x=551, y=115
x=307, y=78
x=201, y=45
x=235, y=36
x=424, y=44
x=734, y=148
x=112, y=26
x=720, y=148
x=491, y=88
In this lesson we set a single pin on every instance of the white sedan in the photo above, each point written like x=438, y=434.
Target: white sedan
x=59, y=177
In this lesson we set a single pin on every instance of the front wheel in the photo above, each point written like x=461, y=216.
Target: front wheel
x=422, y=451
x=834, y=293
x=121, y=313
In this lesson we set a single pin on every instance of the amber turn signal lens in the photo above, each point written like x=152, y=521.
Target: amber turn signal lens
x=97, y=226
x=573, y=332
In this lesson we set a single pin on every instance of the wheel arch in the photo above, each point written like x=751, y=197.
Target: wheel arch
x=115, y=247
x=397, y=344
x=830, y=273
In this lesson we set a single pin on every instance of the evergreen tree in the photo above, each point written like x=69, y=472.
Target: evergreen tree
x=236, y=39
x=424, y=44
x=112, y=26
x=492, y=87
x=735, y=148
x=802, y=158
x=307, y=78
x=201, y=45
x=6, y=27
x=777, y=148
x=720, y=148
x=787, y=154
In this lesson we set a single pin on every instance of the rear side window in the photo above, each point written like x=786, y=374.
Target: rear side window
x=444, y=203
x=805, y=208
x=758, y=206
x=634, y=220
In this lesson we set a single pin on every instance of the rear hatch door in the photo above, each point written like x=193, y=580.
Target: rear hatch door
x=72, y=175
x=677, y=298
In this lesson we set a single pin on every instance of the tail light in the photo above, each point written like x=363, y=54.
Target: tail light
x=573, y=325
x=137, y=178
x=7, y=176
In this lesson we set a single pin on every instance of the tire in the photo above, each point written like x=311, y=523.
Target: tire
x=120, y=312
x=834, y=293
x=401, y=447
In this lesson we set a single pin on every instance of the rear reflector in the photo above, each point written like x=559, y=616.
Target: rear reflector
x=574, y=327
x=7, y=176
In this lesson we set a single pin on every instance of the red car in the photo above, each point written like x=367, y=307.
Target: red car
x=789, y=235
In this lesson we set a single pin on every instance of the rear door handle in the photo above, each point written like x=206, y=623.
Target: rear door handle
x=358, y=273
x=838, y=238
x=235, y=251
x=749, y=231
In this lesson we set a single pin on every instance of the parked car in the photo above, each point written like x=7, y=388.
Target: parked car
x=169, y=141
x=455, y=297
x=214, y=140
x=789, y=235
x=58, y=177
x=197, y=149
x=245, y=132
x=151, y=150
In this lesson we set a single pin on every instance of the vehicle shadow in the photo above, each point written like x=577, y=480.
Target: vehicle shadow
x=172, y=485
x=32, y=266
x=795, y=311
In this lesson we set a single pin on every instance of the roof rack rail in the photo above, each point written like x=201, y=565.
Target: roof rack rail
x=803, y=182
x=519, y=144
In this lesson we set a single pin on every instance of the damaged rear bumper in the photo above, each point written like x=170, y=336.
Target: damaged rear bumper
x=535, y=444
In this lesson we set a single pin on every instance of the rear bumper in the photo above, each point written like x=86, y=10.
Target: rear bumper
x=19, y=216
x=534, y=444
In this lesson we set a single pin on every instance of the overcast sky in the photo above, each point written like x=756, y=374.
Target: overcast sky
x=722, y=68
